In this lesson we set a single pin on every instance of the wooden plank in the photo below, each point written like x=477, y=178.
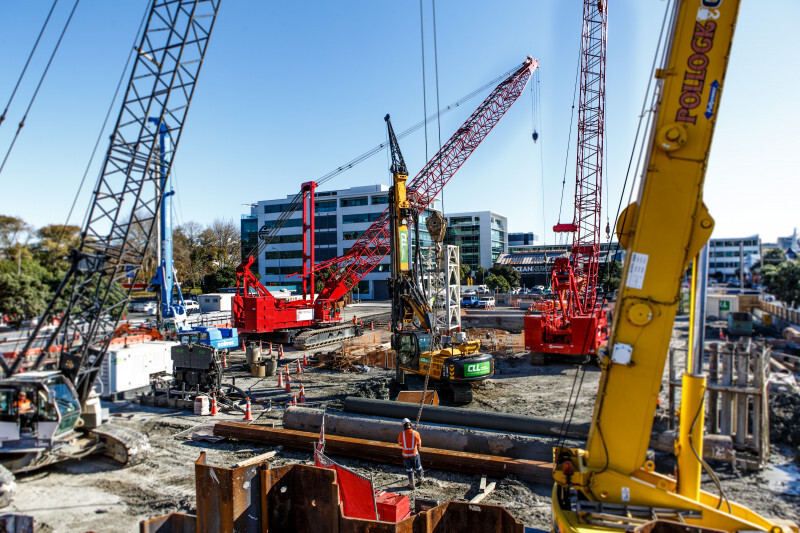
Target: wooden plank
x=484, y=493
x=257, y=459
x=472, y=463
x=414, y=396
x=482, y=484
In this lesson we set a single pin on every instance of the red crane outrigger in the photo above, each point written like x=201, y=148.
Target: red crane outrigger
x=258, y=314
x=575, y=323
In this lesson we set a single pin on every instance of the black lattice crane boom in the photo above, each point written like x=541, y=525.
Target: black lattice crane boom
x=127, y=195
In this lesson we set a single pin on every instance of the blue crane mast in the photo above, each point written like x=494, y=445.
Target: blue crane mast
x=172, y=309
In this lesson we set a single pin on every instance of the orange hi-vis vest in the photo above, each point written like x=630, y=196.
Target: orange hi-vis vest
x=410, y=441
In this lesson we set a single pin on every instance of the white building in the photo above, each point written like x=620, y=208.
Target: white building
x=723, y=256
x=341, y=217
x=481, y=235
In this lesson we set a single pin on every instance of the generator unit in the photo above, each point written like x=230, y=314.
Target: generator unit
x=196, y=368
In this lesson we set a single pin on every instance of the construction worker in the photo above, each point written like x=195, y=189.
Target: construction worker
x=22, y=403
x=410, y=441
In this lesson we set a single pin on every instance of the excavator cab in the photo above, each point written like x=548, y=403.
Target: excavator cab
x=410, y=345
x=35, y=409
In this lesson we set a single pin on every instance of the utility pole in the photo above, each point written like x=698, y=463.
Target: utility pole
x=741, y=265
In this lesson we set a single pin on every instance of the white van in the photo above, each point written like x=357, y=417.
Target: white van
x=191, y=306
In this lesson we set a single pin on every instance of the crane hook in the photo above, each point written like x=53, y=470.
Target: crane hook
x=535, y=135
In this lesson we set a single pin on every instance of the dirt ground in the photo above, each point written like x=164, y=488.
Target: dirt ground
x=95, y=495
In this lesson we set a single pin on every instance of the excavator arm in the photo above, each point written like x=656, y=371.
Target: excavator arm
x=662, y=232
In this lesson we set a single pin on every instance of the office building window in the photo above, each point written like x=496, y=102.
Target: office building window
x=376, y=200
x=353, y=202
x=321, y=207
x=358, y=218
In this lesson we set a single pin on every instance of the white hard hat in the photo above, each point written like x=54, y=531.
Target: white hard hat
x=406, y=421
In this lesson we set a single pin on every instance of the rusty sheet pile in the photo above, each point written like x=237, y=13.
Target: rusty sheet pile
x=305, y=498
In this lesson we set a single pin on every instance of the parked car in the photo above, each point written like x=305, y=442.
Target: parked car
x=486, y=302
x=150, y=308
x=142, y=306
x=191, y=306
x=470, y=301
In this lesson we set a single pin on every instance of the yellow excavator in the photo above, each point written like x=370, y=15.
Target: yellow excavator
x=611, y=485
x=450, y=360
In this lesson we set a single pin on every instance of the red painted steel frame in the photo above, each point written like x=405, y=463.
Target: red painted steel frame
x=308, y=240
x=373, y=245
x=256, y=311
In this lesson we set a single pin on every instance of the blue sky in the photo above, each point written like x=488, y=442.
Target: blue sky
x=291, y=90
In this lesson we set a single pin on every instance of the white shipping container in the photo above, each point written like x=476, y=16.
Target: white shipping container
x=214, y=302
x=719, y=305
x=128, y=369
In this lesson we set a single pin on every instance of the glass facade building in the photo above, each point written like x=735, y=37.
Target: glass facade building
x=341, y=217
x=482, y=237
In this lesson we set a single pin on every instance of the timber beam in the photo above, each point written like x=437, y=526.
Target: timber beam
x=383, y=452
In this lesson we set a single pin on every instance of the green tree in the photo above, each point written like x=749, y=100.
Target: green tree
x=220, y=278
x=773, y=256
x=783, y=281
x=320, y=278
x=497, y=283
x=507, y=272
x=53, y=248
x=480, y=275
x=14, y=236
x=610, y=275
x=465, y=272
x=223, y=240
x=23, y=297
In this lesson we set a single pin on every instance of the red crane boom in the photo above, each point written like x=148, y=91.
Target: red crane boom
x=258, y=314
x=373, y=245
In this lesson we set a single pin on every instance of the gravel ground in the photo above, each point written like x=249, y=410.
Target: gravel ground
x=94, y=494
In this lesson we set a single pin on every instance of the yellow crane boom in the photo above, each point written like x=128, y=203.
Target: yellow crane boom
x=661, y=232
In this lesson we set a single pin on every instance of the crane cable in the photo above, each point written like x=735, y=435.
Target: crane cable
x=569, y=137
x=536, y=120
x=294, y=204
x=28, y=62
x=436, y=338
x=640, y=146
x=38, y=86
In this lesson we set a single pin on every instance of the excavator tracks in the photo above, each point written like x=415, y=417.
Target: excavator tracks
x=124, y=445
x=317, y=338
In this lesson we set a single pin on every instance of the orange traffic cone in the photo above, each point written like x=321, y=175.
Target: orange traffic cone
x=294, y=399
x=270, y=348
x=305, y=360
x=248, y=414
x=288, y=387
x=721, y=335
x=213, y=405
x=280, y=351
x=371, y=325
x=280, y=379
x=287, y=369
x=299, y=368
x=302, y=394
x=224, y=361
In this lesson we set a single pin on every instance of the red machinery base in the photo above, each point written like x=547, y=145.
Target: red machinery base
x=585, y=335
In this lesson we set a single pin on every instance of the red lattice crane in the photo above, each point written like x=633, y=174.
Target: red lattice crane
x=575, y=322
x=255, y=310
x=373, y=245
